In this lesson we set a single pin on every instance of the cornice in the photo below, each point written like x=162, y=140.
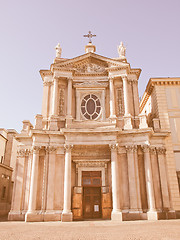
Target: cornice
x=156, y=82
x=44, y=73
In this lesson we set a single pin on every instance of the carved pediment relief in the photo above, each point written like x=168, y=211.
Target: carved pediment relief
x=90, y=68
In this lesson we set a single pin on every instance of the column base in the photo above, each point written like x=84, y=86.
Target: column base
x=116, y=216
x=53, y=125
x=34, y=217
x=69, y=121
x=52, y=216
x=113, y=119
x=134, y=215
x=67, y=217
x=128, y=122
x=16, y=216
x=152, y=216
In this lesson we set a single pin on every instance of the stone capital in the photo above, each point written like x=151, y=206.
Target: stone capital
x=113, y=147
x=152, y=150
x=23, y=152
x=131, y=148
x=145, y=148
x=161, y=150
x=68, y=147
x=47, y=83
x=36, y=149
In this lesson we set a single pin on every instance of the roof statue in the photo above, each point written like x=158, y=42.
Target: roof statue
x=121, y=50
x=58, y=50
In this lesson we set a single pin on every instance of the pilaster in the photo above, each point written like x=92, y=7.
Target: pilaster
x=31, y=213
x=116, y=212
x=151, y=214
x=67, y=213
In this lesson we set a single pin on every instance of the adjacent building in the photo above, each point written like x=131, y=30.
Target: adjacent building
x=8, y=150
x=91, y=153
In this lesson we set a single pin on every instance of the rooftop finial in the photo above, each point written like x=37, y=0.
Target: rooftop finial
x=58, y=50
x=90, y=35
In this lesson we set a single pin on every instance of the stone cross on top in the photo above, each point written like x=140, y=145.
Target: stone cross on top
x=90, y=35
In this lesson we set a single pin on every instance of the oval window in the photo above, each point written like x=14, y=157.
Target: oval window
x=90, y=107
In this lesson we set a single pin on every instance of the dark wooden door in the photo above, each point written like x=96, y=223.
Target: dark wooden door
x=92, y=202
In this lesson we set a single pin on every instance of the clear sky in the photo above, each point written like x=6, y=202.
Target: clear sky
x=29, y=31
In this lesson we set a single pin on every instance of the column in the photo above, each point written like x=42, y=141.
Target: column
x=137, y=179
x=151, y=214
x=156, y=179
x=45, y=103
x=127, y=115
x=67, y=214
x=69, y=99
x=112, y=102
x=126, y=97
x=161, y=151
x=55, y=97
x=136, y=96
x=116, y=212
x=50, y=214
x=132, y=179
x=33, y=187
x=78, y=104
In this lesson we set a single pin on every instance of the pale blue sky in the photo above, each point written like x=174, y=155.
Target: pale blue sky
x=30, y=30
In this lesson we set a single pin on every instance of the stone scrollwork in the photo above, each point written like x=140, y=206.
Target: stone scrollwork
x=161, y=150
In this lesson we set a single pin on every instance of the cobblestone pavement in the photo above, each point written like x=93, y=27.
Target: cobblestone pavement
x=91, y=230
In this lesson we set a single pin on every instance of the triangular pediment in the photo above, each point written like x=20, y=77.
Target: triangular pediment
x=90, y=63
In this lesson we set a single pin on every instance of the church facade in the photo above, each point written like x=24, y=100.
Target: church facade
x=91, y=154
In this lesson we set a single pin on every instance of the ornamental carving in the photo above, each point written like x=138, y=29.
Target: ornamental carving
x=52, y=149
x=24, y=152
x=152, y=150
x=113, y=147
x=120, y=102
x=61, y=102
x=91, y=163
x=161, y=150
x=90, y=68
x=47, y=83
x=68, y=147
x=131, y=148
x=145, y=148
x=36, y=149
x=91, y=83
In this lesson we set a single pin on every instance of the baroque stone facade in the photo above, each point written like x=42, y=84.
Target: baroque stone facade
x=91, y=154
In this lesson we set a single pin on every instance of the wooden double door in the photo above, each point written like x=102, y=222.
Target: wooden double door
x=92, y=202
x=91, y=194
